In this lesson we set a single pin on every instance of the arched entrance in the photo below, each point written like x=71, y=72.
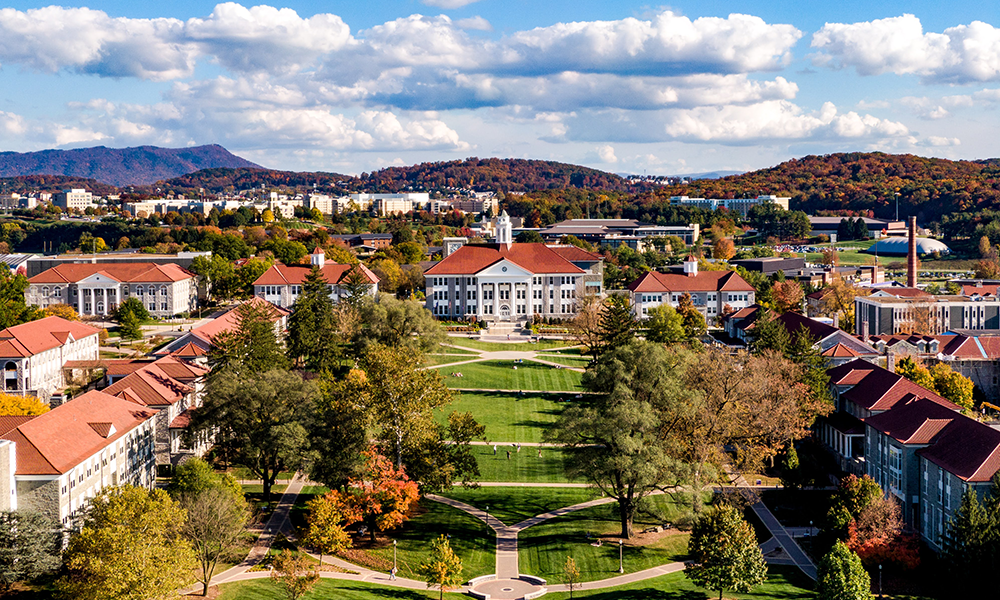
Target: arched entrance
x=10, y=376
x=504, y=311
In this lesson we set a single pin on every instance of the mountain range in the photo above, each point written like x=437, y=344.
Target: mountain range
x=120, y=167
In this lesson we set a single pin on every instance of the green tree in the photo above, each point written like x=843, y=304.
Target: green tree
x=790, y=476
x=617, y=323
x=285, y=251
x=130, y=547
x=251, y=346
x=694, y=321
x=443, y=568
x=217, y=274
x=842, y=576
x=216, y=519
x=355, y=287
x=970, y=544
x=29, y=547
x=259, y=420
x=195, y=476
x=245, y=275
x=854, y=494
x=312, y=339
x=725, y=552
x=952, y=385
x=134, y=306
x=294, y=574
x=129, y=326
x=337, y=430
x=768, y=333
x=398, y=323
x=571, y=574
x=13, y=310
x=410, y=252
x=528, y=237
x=665, y=325
x=325, y=525
x=623, y=440
x=915, y=372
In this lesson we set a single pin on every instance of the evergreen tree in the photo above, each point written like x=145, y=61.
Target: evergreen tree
x=725, y=552
x=252, y=346
x=311, y=339
x=129, y=326
x=970, y=544
x=29, y=547
x=803, y=351
x=862, y=229
x=617, y=325
x=842, y=576
x=769, y=333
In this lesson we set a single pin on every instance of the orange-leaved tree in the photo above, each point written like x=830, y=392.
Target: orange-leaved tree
x=382, y=495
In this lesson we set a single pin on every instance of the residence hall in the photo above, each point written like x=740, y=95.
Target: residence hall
x=33, y=354
x=281, y=284
x=195, y=344
x=96, y=289
x=835, y=345
x=711, y=291
x=54, y=463
x=512, y=282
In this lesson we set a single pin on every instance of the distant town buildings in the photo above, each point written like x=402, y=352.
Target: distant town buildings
x=73, y=199
x=740, y=206
x=618, y=232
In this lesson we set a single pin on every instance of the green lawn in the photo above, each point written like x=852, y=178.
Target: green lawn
x=469, y=539
x=543, y=548
x=501, y=346
x=579, y=362
x=432, y=360
x=452, y=350
x=575, y=351
x=508, y=417
x=786, y=583
x=515, y=504
x=523, y=466
x=501, y=375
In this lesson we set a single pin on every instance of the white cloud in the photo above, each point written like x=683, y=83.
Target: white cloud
x=606, y=154
x=961, y=54
x=476, y=23
x=448, y=4
x=939, y=142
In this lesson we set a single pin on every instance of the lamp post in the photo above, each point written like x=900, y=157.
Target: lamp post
x=487, y=517
x=880, y=581
x=394, y=557
x=621, y=564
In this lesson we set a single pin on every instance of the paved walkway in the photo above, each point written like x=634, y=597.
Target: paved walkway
x=487, y=355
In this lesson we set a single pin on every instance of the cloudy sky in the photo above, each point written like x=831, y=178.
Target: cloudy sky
x=626, y=87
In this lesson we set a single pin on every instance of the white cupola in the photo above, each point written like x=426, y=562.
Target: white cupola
x=504, y=233
x=691, y=266
x=318, y=257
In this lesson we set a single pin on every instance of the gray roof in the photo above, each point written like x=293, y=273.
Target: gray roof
x=899, y=246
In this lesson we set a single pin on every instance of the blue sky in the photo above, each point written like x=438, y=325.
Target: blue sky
x=353, y=86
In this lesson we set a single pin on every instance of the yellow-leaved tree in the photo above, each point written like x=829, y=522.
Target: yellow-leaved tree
x=12, y=405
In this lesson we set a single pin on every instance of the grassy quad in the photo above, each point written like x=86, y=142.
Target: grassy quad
x=786, y=583
x=522, y=467
x=515, y=504
x=575, y=361
x=503, y=346
x=501, y=375
x=543, y=548
x=433, y=360
x=509, y=417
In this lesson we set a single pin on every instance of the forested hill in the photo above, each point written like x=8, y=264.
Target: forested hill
x=506, y=174
x=489, y=174
x=119, y=166
x=927, y=187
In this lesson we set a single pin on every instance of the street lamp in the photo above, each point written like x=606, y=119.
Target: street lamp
x=621, y=565
x=487, y=517
x=393, y=557
x=880, y=581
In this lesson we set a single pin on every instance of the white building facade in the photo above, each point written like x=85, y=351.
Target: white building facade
x=32, y=354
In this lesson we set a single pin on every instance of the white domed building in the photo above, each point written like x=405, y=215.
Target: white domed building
x=899, y=246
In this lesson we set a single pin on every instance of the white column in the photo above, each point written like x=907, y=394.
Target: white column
x=79, y=299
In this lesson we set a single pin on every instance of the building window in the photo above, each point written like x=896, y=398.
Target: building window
x=163, y=306
x=139, y=291
x=163, y=290
x=895, y=462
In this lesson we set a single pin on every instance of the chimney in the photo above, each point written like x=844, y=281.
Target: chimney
x=911, y=256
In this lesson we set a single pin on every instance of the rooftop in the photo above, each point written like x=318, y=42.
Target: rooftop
x=33, y=337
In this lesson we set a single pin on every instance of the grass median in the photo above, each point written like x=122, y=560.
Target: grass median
x=509, y=375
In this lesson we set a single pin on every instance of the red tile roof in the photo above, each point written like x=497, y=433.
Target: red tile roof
x=64, y=437
x=916, y=422
x=181, y=370
x=150, y=386
x=333, y=274
x=10, y=422
x=793, y=322
x=575, y=254
x=228, y=320
x=877, y=389
x=840, y=351
x=704, y=281
x=183, y=420
x=966, y=448
x=189, y=349
x=124, y=272
x=981, y=289
x=33, y=337
x=534, y=258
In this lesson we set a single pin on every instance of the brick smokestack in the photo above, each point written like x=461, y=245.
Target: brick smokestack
x=911, y=255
